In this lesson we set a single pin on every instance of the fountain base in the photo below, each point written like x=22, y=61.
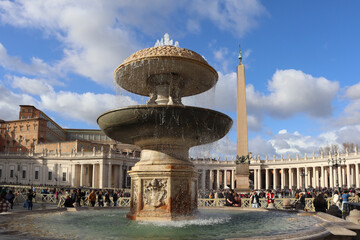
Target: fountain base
x=163, y=188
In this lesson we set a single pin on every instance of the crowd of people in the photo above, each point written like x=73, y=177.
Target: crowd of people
x=319, y=196
x=105, y=198
x=102, y=197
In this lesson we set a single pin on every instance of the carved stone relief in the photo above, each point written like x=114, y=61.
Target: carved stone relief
x=155, y=192
x=135, y=194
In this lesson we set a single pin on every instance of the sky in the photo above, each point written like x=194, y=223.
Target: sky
x=301, y=60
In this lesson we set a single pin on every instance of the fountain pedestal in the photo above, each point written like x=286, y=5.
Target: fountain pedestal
x=162, y=193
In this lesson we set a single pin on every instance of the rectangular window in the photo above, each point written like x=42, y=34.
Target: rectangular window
x=36, y=174
x=18, y=167
x=64, y=176
x=50, y=176
x=0, y=172
x=27, y=127
x=23, y=174
x=12, y=173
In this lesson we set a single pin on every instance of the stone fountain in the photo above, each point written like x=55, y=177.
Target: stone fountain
x=164, y=182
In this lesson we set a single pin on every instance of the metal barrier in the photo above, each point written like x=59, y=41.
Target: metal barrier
x=218, y=202
x=39, y=198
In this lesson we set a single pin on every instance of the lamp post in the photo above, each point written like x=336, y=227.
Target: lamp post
x=337, y=162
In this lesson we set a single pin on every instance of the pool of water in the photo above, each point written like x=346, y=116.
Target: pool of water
x=209, y=224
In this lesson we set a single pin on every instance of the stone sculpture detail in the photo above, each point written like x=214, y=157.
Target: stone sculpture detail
x=155, y=192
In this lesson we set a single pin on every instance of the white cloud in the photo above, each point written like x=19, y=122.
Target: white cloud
x=295, y=143
x=292, y=92
x=259, y=146
x=31, y=86
x=225, y=147
x=283, y=131
x=9, y=103
x=214, y=98
x=353, y=91
x=237, y=16
x=37, y=66
x=98, y=35
x=84, y=107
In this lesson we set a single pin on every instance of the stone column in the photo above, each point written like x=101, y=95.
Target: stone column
x=29, y=174
x=306, y=177
x=340, y=176
x=352, y=182
x=275, y=179
x=298, y=178
x=93, y=175
x=343, y=176
x=121, y=175
x=81, y=175
x=255, y=179
x=211, y=182
x=317, y=177
x=232, y=179
x=217, y=179
x=6, y=172
x=101, y=175
x=282, y=178
x=322, y=180
x=291, y=178
x=43, y=175
x=203, y=179
x=331, y=171
x=109, y=175
x=348, y=183
x=326, y=182
x=357, y=175
x=259, y=179
x=313, y=177
x=267, y=179
x=225, y=178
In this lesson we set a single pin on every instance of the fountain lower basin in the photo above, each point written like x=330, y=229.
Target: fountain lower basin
x=224, y=223
x=145, y=125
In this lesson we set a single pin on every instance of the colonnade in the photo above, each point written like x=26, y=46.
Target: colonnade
x=101, y=175
x=213, y=179
x=323, y=176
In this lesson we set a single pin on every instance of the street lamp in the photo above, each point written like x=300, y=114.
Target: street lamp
x=337, y=162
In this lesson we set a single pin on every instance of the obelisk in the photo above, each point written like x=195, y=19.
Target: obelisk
x=242, y=169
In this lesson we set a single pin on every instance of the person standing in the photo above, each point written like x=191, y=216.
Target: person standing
x=255, y=203
x=30, y=196
x=78, y=197
x=345, y=198
x=270, y=197
x=92, y=198
x=336, y=199
x=320, y=203
x=115, y=198
x=100, y=199
x=10, y=198
x=107, y=199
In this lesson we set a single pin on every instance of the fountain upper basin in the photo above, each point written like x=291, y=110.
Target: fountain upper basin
x=145, y=125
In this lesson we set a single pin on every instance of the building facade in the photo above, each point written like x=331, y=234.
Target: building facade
x=35, y=150
x=314, y=171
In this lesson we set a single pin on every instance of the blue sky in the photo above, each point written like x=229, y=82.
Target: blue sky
x=301, y=58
